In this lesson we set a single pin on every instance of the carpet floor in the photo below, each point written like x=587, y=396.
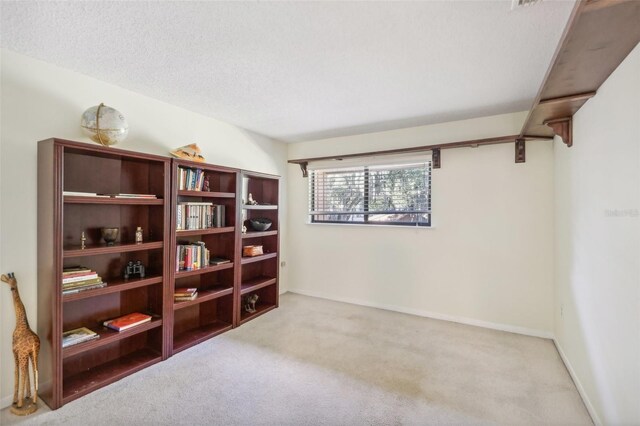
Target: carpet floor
x=318, y=362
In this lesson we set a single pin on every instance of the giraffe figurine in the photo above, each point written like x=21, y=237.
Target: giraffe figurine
x=26, y=346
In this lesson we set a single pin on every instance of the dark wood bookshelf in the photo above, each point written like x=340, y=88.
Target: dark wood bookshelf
x=114, y=286
x=212, y=311
x=93, y=250
x=258, y=275
x=68, y=373
x=259, y=258
x=204, y=295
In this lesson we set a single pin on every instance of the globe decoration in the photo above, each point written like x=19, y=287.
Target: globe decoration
x=104, y=125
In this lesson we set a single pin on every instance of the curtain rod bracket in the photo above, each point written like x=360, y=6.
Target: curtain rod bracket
x=520, y=151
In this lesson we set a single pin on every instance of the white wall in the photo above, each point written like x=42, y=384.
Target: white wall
x=597, y=195
x=487, y=261
x=41, y=101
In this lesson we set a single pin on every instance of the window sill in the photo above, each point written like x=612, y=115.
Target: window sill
x=362, y=225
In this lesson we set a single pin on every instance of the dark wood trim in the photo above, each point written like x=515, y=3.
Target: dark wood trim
x=474, y=143
x=597, y=38
x=520, y=151
x=562, y=127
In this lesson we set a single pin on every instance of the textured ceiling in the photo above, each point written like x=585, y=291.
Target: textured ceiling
x=306, y=70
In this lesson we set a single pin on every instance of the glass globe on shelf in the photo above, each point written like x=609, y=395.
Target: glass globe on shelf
x=104, y=125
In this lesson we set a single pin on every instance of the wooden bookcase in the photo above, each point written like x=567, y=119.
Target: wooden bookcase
x=69, y=373
x=259, y=274
x=212, y=312
x=66, y=374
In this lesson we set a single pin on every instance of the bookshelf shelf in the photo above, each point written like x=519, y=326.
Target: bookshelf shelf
x=72, y=199
x=108, y=336
x=208, y=231
x=258, y=234
x=193, y=337
x=256, y=283
x=101, y=375
x=260, y=207
x=261, y=308
x=205, y=270
x=246, y=260
x=93, y=250
x=204, y=295
x=206, y=194
x=113, y=286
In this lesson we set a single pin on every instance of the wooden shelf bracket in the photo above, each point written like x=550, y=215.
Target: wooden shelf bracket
x=520, y=151
x=562, y=127
x=435, y=157
x=303, y=167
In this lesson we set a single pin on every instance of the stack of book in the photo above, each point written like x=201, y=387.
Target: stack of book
x=125, y=322
x=78, y=278
x=199, y=215
x=184, y=294
x=78, y=335
x=190, y=179
x=191, y=256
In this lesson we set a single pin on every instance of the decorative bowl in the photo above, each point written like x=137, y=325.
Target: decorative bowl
x=260, y=223
x=109, y=235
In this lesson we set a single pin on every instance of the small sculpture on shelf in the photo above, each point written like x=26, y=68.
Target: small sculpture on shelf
x=244, y=229
x=83, y=241
x=139, y=235
x=250, y=303
x=205, y=184
x=251, y=201
x=109, y=235
x=26, y=347
x=132, y=268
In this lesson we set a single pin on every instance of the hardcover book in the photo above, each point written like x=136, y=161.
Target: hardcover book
x=125, y=322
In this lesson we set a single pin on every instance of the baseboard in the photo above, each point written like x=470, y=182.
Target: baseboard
x=434, y=315
x=576, y=381
x=6, y=401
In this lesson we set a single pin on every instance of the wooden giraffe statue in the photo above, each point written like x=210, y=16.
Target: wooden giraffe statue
x=26, y=346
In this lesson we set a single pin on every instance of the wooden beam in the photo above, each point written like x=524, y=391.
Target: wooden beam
x=597, y=38
x=423, y=148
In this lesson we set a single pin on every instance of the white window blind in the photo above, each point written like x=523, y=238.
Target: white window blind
x=398, y=194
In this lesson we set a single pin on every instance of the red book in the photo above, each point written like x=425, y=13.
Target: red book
x=127, y=321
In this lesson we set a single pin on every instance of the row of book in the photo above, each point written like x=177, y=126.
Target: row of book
x=190, y=179
x=192, y=256
x=83, y=334
x=185, y=294
x=199, y=215
x=78, y=278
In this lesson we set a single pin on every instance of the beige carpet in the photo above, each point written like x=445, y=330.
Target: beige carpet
x=320, y=362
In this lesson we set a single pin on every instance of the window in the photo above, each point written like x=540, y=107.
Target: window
x=372, y=194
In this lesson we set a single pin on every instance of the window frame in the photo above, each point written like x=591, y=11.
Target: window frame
x=312, y=218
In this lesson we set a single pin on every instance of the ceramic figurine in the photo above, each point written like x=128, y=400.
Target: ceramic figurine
x=250, y=304
x=138, y=235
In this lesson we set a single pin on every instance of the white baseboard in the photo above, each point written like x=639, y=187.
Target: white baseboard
x=576, y=381
x=434, y=315
x=6, y=401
